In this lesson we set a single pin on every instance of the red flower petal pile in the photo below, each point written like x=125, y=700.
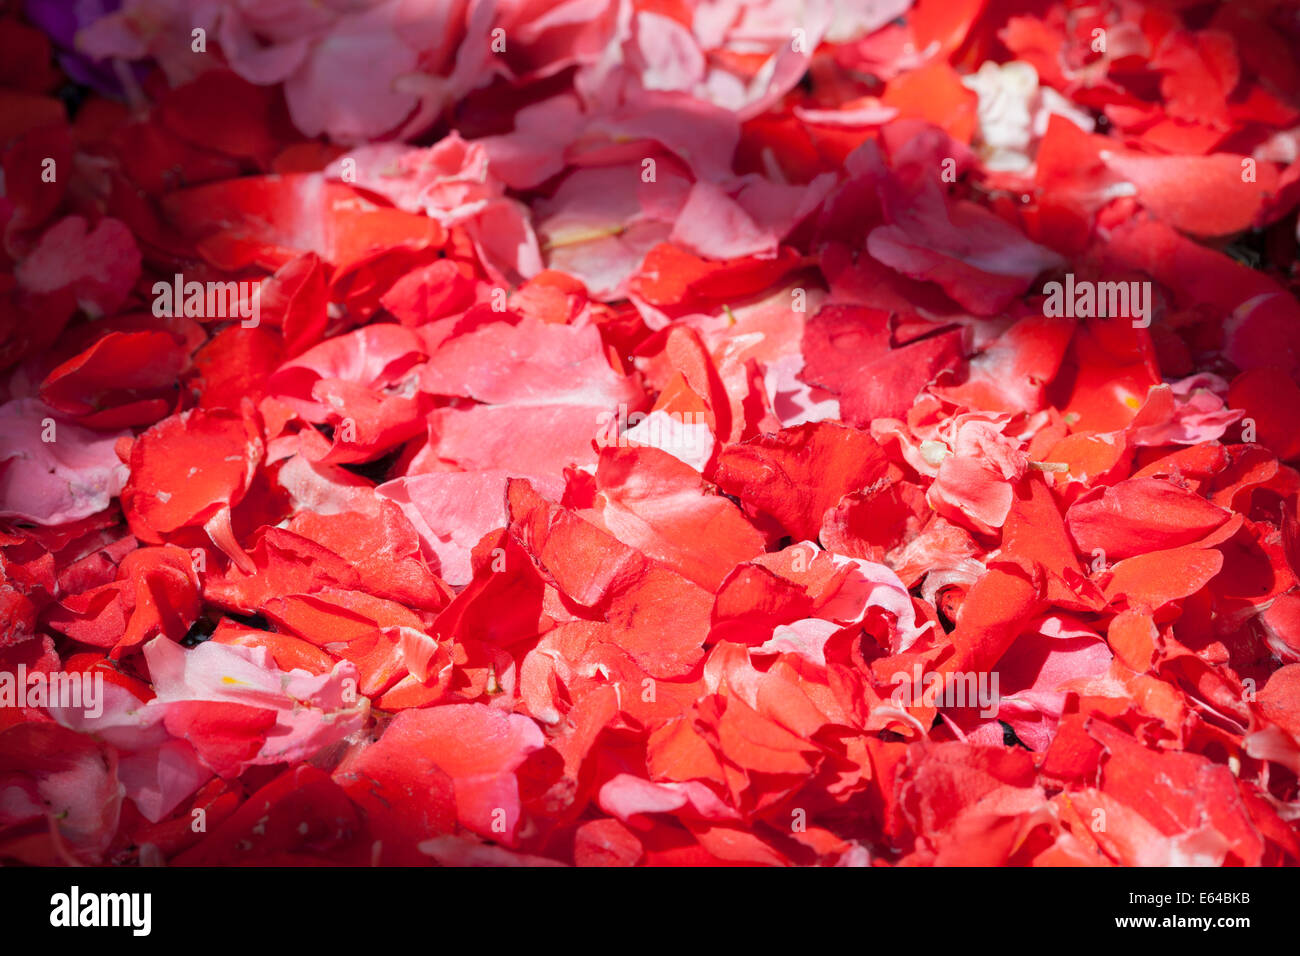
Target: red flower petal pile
x=657, y=433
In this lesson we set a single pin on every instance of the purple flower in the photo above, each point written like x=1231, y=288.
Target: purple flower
x=61, y=20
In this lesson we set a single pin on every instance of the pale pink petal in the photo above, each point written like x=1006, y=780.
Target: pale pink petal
x=72, y=476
